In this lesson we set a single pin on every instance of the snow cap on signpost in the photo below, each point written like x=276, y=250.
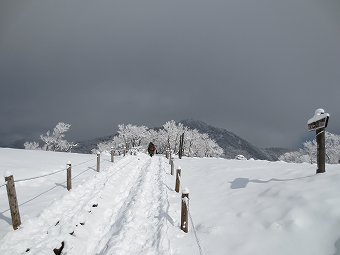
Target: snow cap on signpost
x=185, y=190
x=7, y=173
x=319, y=120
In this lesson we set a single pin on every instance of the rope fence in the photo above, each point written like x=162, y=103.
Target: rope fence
x=11, y=192
x=185, y=210
x=195, y=233
x=40, y=176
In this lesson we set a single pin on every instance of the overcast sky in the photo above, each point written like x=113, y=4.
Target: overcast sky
x=257, y=68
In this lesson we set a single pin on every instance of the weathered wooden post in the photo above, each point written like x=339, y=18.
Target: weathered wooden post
x=178, y=179
x=318, y=123
x=124, y=151
x=98, y=161
x=13, y=201
x=167, y=153
x=185, y=210
x=112, y=154
x=69, y=176
x=172, y=166
x=321, y=150
x=181, y=145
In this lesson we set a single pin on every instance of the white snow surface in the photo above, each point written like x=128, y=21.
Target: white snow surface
x=318, y=117
x=130, y=207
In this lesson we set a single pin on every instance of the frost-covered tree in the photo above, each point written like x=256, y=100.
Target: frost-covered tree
x=31, y=146
x=200, y=145
x=53, y=141
x=294, y=157
x=138, y=137
x=308, y=152
x=211, y=148
x=117, y=143
x=132, y=135
x=173, y=131
x=332, y=143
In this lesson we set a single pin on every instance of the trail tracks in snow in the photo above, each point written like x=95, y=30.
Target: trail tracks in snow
x=121, y=211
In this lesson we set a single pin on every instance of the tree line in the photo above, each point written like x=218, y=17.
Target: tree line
x=133, y=137
x=195, y=144
x=308, y=152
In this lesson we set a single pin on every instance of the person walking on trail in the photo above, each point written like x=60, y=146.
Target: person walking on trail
x=151, y=149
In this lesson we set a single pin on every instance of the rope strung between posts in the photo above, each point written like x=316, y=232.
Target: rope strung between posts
x=195, y=233
x=191, y=220
x=89, y=168
x=44, y=192
x=52, y=173
x=44, y=175
x=40, y=176
x=83, y=162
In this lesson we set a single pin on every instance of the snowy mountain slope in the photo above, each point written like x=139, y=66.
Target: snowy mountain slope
x=231, y=143
x=275, y=153
x=236, y=207
x=228, y=141
x=87, y=145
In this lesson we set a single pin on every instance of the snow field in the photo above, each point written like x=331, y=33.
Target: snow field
x=58, y=220
x=35, y=195
x=261, y=207
x=119, y=211
x=130, y=207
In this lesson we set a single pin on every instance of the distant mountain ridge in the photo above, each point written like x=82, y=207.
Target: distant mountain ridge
x=232, y=144
x=87, y=145
x=229, y=142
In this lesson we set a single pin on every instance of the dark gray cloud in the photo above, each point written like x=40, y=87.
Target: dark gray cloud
x=257, y=68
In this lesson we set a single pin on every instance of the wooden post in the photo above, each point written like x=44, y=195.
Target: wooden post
x=13, y=202
x=124, y=151
x=321, y=151
x=185, y=210
x=167, y=153
x=178, y=180
x=172, y=166
x=69, y=176
x=170, y=157
x=181, y=145
x=112, y=154
x=98, y=161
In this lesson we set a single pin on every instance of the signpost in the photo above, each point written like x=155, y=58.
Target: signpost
x=318, y=123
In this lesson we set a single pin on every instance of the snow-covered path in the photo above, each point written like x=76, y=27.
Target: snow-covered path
x=120, y=211
x=136, y=222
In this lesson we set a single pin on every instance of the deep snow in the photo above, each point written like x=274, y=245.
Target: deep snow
x=130, y=207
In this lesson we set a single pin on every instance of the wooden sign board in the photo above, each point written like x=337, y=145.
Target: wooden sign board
x=321, y=123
